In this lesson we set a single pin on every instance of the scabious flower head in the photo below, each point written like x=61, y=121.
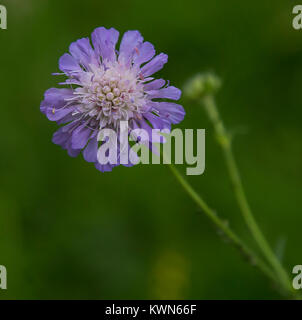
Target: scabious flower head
x=106, y=86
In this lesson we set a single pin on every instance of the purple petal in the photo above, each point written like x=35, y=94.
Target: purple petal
x=71, y=126
x=80, y=137
x=72, y=152
x=104, y=42
x=55, y=98
x=103, y=167
x=82, y=51
x=68, y=118
x=144, y=53
x=166, y=93
x=157, y=122
x=54, y=101
x=129, y=46
x=69, y=65
x=60, y=137
x=170, y=111
x=154, y=65
x=153, y=85
x=57, y=114
x=64, y=140
x=90, y=152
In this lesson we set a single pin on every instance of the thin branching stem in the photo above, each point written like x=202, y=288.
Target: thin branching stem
x=225, y=143
x=222, y=226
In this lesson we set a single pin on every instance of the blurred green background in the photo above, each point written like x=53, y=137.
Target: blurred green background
x=68, y=231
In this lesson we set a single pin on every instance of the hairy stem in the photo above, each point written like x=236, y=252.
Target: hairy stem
x=225, y=143
x=222, y=226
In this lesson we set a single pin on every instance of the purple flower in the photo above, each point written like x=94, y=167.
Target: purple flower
x=105, y=87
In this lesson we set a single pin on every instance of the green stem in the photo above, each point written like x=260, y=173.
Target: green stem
x=221, y=225
x=225, y=144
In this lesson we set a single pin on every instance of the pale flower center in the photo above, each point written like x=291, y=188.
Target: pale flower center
x=111, y=95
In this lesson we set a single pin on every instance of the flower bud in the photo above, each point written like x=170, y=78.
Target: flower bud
x=202, y=85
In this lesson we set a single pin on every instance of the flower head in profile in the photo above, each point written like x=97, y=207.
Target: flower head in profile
x=105, y=86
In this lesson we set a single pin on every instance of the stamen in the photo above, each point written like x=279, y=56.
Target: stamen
x=110, y=95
